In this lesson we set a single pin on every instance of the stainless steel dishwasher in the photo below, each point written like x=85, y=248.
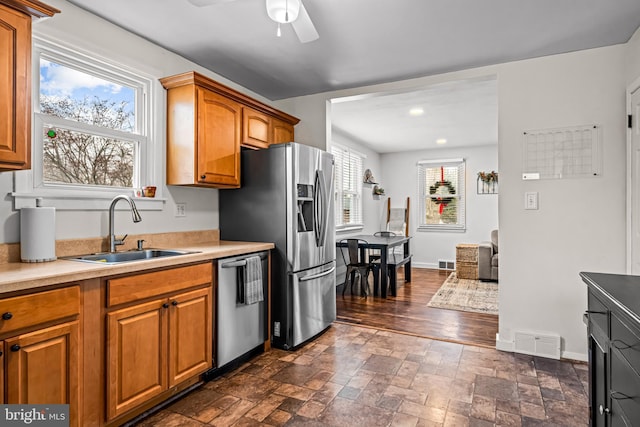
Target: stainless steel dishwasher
x=241, y=328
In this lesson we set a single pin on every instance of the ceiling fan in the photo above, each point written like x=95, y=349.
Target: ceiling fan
x=283, y=12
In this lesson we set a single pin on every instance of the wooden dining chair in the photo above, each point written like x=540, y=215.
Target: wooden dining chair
x=356, y=266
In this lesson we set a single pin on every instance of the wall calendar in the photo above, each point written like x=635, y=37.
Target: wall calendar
x=571, y=152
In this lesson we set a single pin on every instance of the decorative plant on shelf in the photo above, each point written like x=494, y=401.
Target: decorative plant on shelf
x=378, y=191
x=487, y=182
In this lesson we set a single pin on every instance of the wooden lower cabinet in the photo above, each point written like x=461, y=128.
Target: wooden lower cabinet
x=156, y=345
x=40, y=350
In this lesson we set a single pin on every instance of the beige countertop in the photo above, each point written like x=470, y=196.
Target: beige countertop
x=18, y=276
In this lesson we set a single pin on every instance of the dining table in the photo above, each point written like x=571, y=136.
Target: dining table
x=384, y=244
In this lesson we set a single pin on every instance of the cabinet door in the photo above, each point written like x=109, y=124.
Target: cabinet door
x=281, y=132
x=598, y=384
x=15, y=89
x=136, y=355
x=219, y=125
x=190, y=335
x=255, y=128
x=43, y=367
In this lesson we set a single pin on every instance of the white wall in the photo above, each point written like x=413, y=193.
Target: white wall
x=580, y=225
x=632, y=54
x=400, y=172
x=371, y=207
x=93, y=34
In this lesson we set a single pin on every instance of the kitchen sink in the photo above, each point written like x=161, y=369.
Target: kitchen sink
x=118, y=257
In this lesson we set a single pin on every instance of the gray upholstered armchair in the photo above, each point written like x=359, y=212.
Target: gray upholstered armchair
x=488, y=258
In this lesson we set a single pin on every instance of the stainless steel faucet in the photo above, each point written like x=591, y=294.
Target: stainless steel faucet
x=113, y=242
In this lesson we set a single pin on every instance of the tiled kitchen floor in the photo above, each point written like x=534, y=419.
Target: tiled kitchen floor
x=355, y=376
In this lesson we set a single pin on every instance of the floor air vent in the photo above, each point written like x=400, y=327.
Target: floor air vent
x=538, y=344
x=446, y=265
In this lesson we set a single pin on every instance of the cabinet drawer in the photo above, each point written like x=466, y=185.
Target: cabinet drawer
x=30, y=310
x=141, y=286
x=598, y=314
x=626, y=340
x=625, y=388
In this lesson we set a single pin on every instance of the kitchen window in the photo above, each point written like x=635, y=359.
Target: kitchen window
x=91, y=129
x=348, y=187
x=442, y=194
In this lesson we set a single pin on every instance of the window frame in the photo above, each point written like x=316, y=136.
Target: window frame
x=423, y=193
x=29, y=184
x=338, y=191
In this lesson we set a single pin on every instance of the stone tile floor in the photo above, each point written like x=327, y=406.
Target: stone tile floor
x=355, y=376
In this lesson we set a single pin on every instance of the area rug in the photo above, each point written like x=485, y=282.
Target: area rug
x=466, y=295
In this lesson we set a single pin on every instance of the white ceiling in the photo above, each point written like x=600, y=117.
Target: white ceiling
x=464, y=113
x=365, y=42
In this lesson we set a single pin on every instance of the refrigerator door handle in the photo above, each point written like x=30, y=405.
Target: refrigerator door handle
x=321, y=205
x=316, y=208
x=317, y=276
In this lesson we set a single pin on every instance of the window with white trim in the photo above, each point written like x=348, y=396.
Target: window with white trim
x=348, y=187
x=442, y=194
x=91, y=127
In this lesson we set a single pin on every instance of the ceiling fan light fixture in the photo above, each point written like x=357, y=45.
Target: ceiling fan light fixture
x=283, y=11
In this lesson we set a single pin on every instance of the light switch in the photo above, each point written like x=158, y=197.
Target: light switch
x=531, y=200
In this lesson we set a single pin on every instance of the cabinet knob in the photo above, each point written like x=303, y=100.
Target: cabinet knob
x=174, y=302
x=203, y=176
x=7, y=315
x=1, y=353
x=165, y=305
x=15, y=347
x=603, y=410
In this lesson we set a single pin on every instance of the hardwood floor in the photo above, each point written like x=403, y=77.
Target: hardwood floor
x=408, y=312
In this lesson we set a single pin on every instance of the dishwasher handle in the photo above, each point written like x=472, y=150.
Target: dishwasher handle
x=317, y=276
x=239, y=263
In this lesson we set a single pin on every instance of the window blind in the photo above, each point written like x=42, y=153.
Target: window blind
x=348, y=186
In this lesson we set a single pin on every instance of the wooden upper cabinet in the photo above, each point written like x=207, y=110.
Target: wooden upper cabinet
x=255, y=128
x=15, y=80
x=207, y=122
x=218, y=140
x=281, y=131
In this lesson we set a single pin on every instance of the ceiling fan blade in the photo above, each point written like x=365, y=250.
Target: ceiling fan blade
x=304, y=27
x=201, y=3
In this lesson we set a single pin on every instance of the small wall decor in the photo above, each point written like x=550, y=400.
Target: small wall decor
x=378, y=191
x=487, y=182
x=368, y=177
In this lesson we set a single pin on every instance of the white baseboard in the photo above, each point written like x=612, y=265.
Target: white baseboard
x=509, y=346
x=504, y=345
x=571, y=355
x=424, y=265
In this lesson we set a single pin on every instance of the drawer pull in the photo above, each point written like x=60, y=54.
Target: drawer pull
x=7, y=315
x=619, y=396
x=174, y=303
x=620, y=345
x=15, y=347
x=165, y=305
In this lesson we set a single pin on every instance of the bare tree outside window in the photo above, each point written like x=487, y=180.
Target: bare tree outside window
x=85, y=123
x=82, y=158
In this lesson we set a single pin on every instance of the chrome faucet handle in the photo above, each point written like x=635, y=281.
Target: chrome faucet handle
x=118, y=242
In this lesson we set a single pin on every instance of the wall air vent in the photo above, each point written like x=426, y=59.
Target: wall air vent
x=446, y=265
x=545, y=345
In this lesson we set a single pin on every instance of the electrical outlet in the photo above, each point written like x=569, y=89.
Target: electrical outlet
x=181, y=209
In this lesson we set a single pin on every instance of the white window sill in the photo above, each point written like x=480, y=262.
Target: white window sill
x=444, y=228
x=349, y=228
x=83, y=202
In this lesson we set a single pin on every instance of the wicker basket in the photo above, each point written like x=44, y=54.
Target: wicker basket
x=467, y=252
x=466, y=270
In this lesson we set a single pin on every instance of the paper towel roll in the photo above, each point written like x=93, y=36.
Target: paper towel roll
x=37, y=234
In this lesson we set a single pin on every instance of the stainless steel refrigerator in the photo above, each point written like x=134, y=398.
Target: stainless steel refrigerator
x=286, y=197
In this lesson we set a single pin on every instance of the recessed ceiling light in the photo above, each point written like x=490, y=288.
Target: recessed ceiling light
x=416, y=111
x=441, y=141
